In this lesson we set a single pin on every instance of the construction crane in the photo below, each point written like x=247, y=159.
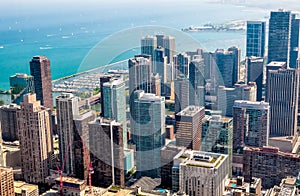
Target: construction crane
x=60, y=170
x=90, y=168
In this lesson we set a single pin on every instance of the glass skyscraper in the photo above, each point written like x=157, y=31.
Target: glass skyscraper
x=114, y=100
x=255, y=45
x=148, y=132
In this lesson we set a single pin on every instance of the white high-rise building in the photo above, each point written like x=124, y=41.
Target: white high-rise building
x=200, y=173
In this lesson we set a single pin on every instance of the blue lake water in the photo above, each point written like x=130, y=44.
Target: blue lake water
x=66, y=38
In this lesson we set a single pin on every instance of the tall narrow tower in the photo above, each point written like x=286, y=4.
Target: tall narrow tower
x=35, y=139
x=40, y=70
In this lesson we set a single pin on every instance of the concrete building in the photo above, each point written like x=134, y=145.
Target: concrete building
x=287, y=187
x=8, y=119
x=217, y=136
x=40, y=70
x=20, y=84
x=36, y=142
x=25, y=189
x=6, y=181
x=67, y=108
x=282, y=95
x=269, y=164
x=200, y=173
x=189, y=127
x=148, y=132
x=227, y=96
x=140, y=71
x=107, y=152
x=256, y=33
x=255, y=73
x=181, y=89
x=250, y=124
x=114, y=100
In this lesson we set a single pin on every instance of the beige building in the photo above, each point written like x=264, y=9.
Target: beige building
x=24, y=189
x=35, y=139
x=6, y=181
x=189, y=127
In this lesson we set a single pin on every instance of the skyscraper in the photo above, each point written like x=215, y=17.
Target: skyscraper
x=295, y=34
x=35, y=137
x=217, y=136
x=107, y=152
x=181, y=64
x=189, y=127
x=282, y=95
x=250, y=124
x=228, y=65
x=140, y=70
x=148, y=132
x=279, y=36
x=160, y=67
x=197, y=81
x=8, y=119
x=169, y=46
x=6, y=181
x=227, y=96
x=103, y=79
x=20, y=84
x=114, y=100
x=67, y=108
x=181, y=89
x=255, y=69
x=40, y=70
x=148, y=44
x=81, y=143
x=256, y=33
x=168, y=43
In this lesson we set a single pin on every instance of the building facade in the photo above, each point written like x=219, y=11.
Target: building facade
x=36, y=142
x=8, y=119
x=40, y=70
x=107, y=152
x=114, y=100
x=21, y=84
x=255, y=73
x=255, y=40
x=67, y=108
x=201, y=173
x=6, y=181
x=269, y=164
x=217, y=136
x=148, y=132
x=250, y=124
x=189, y=127
x=282, y=95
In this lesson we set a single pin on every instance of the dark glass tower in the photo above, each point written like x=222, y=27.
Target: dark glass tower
x=256, y=31
x=40, y=70
x=279, y=36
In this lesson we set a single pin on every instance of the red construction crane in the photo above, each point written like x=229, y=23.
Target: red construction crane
x=89, y=165
x=60, y=170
